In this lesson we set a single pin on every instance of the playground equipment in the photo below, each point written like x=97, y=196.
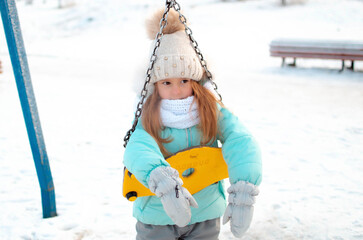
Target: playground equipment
x=163, y=22
x=27, y=99
x=198, y=167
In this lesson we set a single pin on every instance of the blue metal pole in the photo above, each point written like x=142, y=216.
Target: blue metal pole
x=27, y=99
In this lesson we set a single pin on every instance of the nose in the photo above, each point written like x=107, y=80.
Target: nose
x=176, y=91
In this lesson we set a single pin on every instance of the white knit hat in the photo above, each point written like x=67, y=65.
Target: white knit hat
x=176, y=57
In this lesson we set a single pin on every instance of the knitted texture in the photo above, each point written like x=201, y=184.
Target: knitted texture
x=176, y=58
x=179, y=113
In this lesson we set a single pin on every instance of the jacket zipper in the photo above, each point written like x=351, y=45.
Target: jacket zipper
x=188, y=132
x=187, y=137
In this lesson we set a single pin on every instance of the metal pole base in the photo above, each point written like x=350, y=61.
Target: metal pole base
x=48, y=199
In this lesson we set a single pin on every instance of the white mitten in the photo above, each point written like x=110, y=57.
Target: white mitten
x=176, y=200
x=240, y=208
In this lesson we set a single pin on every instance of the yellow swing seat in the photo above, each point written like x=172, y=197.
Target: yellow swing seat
x=198, y=167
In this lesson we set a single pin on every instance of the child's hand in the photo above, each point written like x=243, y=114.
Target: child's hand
x=240, y=208
x=176, y=200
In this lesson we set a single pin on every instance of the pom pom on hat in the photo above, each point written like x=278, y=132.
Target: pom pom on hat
x=176, y=57
x=153, y=23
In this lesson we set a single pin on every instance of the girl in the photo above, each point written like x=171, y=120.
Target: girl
x=181, y=113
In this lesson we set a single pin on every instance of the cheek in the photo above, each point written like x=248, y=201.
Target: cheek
x=189, y=91
x=163, y=93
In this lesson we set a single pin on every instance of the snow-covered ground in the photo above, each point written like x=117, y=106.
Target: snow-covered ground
x=308, y=120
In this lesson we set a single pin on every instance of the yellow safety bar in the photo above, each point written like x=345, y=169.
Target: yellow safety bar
x=198, y=167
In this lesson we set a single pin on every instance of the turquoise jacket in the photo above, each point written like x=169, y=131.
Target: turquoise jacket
x=240, y=151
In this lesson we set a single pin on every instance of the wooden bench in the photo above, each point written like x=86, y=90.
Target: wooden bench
x=319, y=49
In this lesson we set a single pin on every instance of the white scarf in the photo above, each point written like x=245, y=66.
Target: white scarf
x=179, y=113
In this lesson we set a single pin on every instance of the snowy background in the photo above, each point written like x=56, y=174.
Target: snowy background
x=308, y=120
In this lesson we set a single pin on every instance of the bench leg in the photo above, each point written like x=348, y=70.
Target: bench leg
x=283, y=62
x=293, y=64
x=352, y=66
x=343, y=65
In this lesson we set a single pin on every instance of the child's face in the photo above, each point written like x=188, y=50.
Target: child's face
x=174, y=88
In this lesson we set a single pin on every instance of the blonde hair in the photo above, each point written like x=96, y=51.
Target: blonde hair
x=207, y=108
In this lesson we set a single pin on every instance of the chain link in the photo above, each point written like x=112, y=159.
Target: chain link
x=158, y=37
x=194, y=44
x=163, y=22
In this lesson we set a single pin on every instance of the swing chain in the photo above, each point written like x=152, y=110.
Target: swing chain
x=163, y=22
x=194, y=44
x=158, y=37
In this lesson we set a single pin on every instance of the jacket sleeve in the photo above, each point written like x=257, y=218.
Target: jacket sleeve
x=142, y=155
x=240, y=150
